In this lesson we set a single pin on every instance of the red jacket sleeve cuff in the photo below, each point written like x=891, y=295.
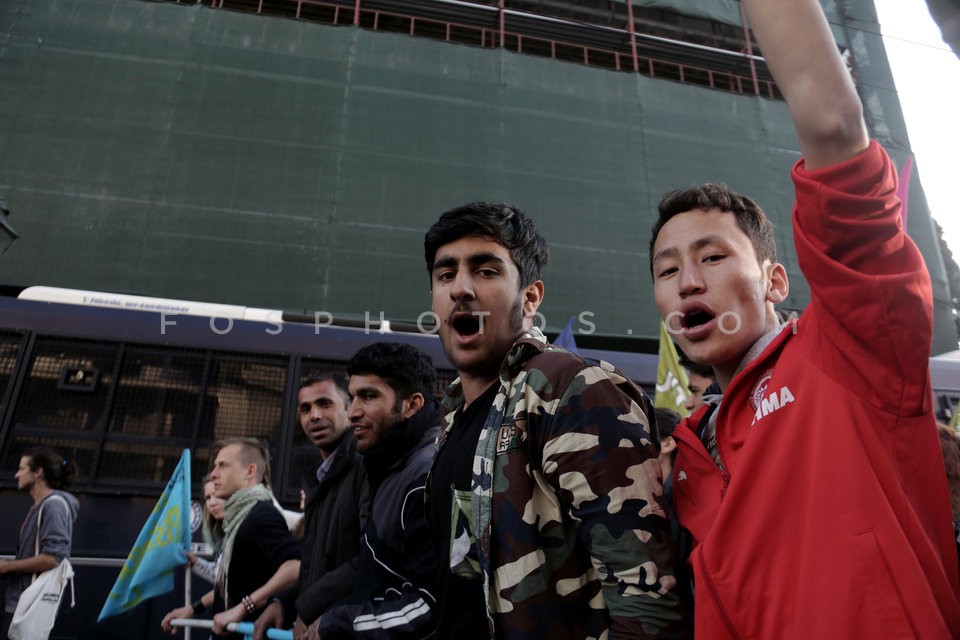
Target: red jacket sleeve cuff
x=848, y=176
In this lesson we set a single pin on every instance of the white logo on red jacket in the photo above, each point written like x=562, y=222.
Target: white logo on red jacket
x=760, y=389
x=773, y=402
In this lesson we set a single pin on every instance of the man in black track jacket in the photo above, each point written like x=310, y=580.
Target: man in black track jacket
x=395, y=420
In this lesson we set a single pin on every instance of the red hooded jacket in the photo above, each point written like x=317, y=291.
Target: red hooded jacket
x=830, y=518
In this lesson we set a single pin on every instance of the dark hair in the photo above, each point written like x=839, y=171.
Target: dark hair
x=58, y=472
x=505, y=224
x=252, y=451
x=749, y=216
x=667, y=421
x=337, y=378
x=700, y=369
x=704, y=370
x=407, y=369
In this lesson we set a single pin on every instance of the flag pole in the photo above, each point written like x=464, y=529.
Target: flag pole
x=188, y=600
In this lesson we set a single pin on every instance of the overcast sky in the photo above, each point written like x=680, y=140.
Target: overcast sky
x=927, y=75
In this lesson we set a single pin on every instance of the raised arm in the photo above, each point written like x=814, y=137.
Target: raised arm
x=802, y=55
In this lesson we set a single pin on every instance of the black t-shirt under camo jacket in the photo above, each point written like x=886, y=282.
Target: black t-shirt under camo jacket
x=566, y=503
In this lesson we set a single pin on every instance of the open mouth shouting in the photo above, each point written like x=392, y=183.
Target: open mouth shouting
x=696, y=321
x=467, y=325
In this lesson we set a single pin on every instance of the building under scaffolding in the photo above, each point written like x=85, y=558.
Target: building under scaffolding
x=290, y=153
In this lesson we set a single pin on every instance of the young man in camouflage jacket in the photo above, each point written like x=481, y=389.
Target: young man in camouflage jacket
x=545, y=496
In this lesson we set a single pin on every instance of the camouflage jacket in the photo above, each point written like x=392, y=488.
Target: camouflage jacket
x=565, y=519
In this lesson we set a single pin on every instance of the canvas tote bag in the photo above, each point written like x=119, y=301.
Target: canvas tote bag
x=38, y=604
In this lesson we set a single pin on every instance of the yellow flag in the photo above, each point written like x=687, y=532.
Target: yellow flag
x=671, y=377
x=955, y=418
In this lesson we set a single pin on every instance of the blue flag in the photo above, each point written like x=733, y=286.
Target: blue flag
x=565, y=339
x=160, y=549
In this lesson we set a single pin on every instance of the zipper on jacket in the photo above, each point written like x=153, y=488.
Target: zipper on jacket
x=724, y=474
x=726, y=482
x=714, y=596
x=701, y=448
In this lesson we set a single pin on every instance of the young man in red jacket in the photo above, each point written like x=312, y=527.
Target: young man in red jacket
x=814, y=492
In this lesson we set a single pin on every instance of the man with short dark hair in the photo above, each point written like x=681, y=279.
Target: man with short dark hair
x=814, y=494
x=545, y=497
x=335, y=506
x=395, y=421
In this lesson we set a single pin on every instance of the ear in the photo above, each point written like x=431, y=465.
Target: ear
x=532, y=297
x=412, y=404
x=779, y=284
x=251, y=475
x=667, y=445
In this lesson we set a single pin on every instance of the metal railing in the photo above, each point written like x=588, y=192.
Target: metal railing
x=243, y=628
x=83, y=561
x=491, y=27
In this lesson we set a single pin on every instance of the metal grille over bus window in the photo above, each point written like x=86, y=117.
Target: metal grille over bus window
x=127, y=430
x=10, y=342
